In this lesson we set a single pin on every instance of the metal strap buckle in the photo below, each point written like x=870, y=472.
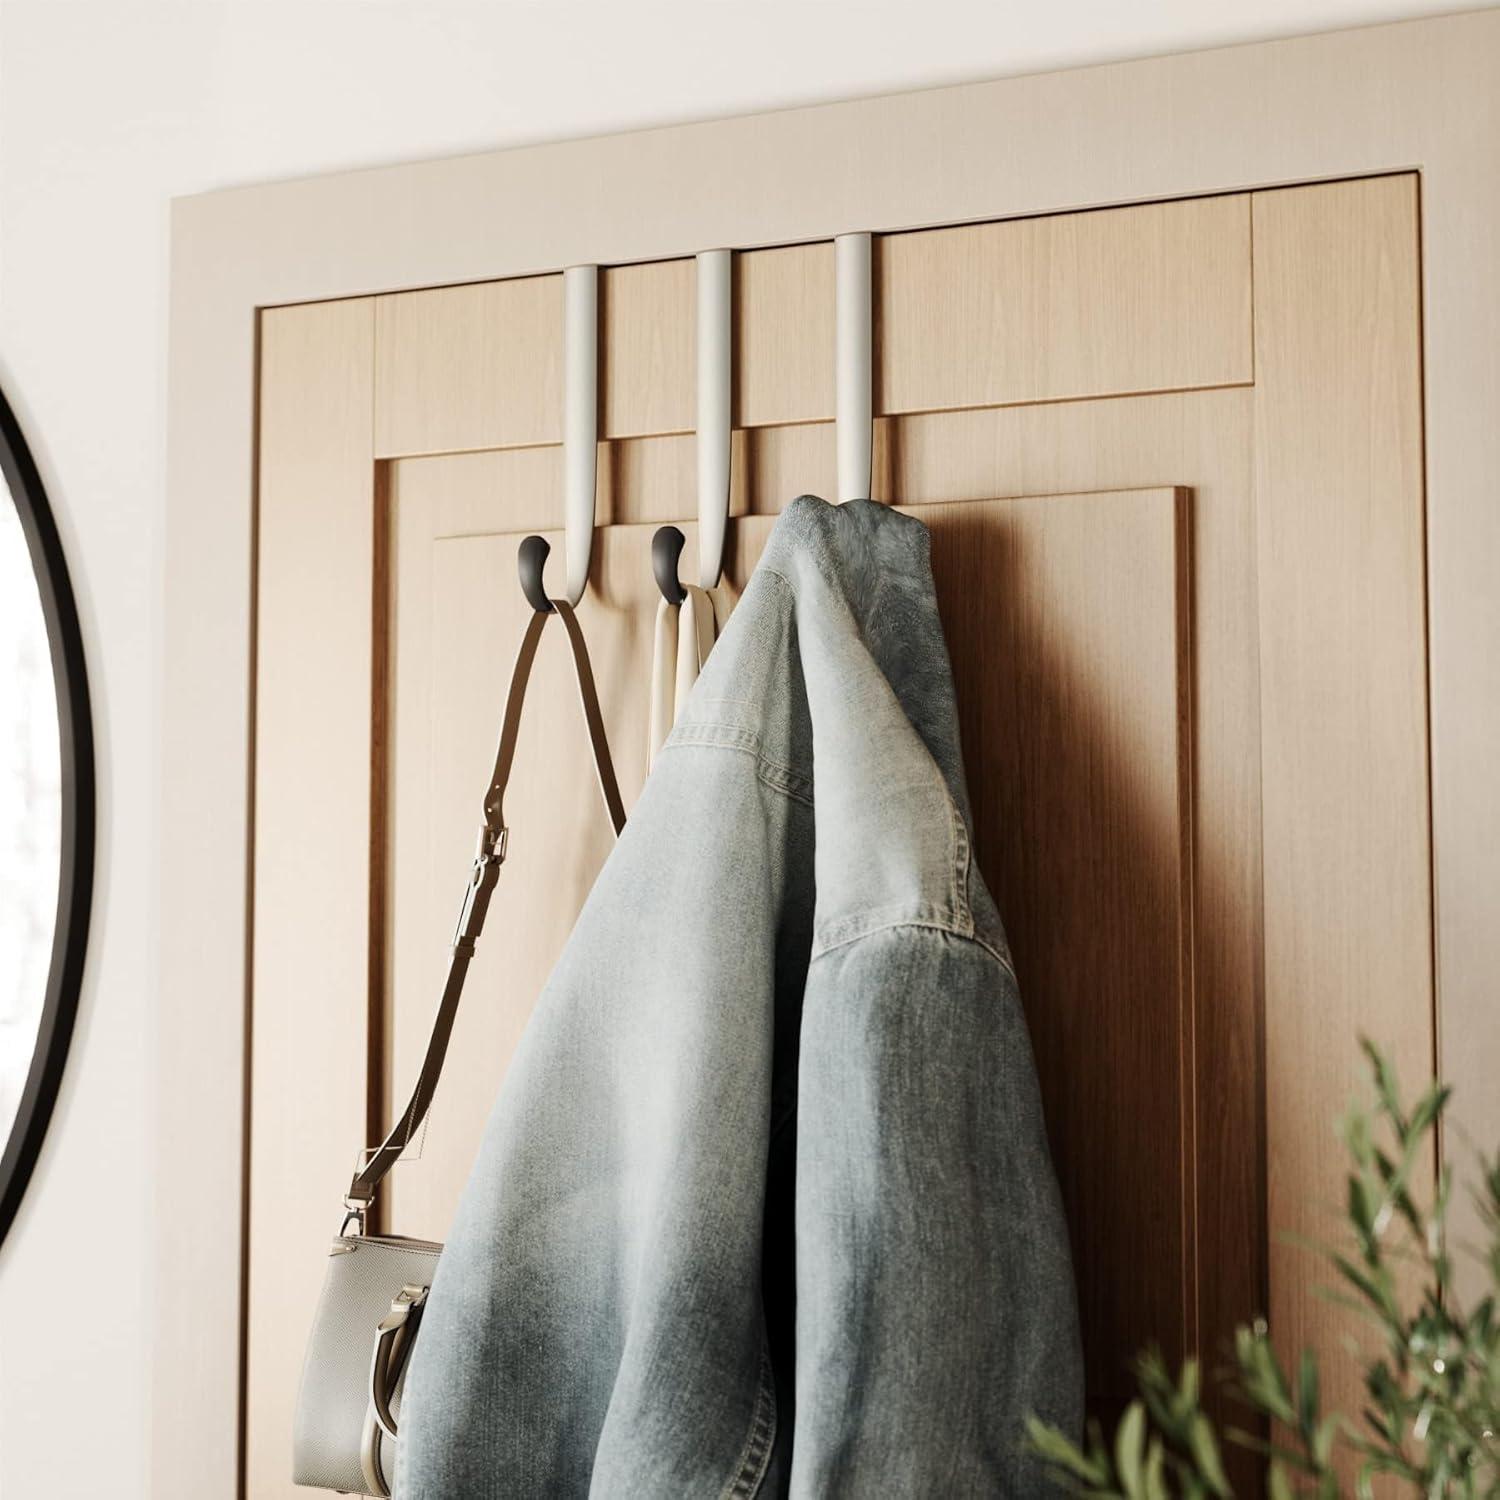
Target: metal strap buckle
x=493, y=843
x=488, y=857
x=355, y=1210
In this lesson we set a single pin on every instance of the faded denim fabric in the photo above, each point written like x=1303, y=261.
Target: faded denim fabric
x=765, y=1206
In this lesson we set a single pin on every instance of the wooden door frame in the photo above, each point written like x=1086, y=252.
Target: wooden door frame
x=1422, y=95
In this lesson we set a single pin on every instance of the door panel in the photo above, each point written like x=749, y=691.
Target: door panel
x=1151, y=298
x=1067, y=620
x=308, y=1036
x=456, y=364
x=1186, y=618
x=1343, y=660
x=1148, y=298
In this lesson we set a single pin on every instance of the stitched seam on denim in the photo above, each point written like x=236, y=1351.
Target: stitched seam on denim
x=707, y=732
x=774, y=773
x=749, y=703
x=998, y=954
x=779, y=576
x=756, y=1453
x=878, y=919
x=734, y=737
x=962, y=854
x=789, y=783
x=946, y=928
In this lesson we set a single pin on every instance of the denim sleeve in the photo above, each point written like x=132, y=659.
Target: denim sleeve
x=935, y=1298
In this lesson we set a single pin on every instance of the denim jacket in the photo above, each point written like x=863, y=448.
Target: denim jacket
x=765, y=1205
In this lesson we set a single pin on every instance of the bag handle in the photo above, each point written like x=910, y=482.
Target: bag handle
x=488, y=858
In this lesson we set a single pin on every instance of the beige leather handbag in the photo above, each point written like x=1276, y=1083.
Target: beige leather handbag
x=349, y=1403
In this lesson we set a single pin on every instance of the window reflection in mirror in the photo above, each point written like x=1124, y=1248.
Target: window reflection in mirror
x=30, y=811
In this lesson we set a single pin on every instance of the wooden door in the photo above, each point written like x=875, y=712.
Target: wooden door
x=1171, y=458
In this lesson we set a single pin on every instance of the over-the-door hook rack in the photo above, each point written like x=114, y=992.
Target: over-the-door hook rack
x=715, y=338
x=854, y=367
x=580, y=444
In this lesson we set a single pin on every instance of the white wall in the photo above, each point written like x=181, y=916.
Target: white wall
x=108, y=109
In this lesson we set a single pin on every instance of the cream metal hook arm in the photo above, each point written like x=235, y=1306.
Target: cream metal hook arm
x=855, y=365
x=714, y=435
x=580, y=441
x=688, y=617
x=580, y=419
x=715, y=389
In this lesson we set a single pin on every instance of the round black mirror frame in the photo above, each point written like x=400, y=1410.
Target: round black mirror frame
x=76, y=863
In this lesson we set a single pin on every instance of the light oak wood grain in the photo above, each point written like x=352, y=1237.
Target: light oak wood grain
x=647, y=332
x=640, y=480
x=1339, y=500
x=313, y=876
x=784, y=335
x=469, y=366
x=1155, y=297
x=501, y=339
x=1127, y=300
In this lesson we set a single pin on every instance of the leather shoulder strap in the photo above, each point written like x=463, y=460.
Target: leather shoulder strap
x=488, y=858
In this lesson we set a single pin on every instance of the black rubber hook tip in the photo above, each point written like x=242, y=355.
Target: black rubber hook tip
x=531, y=559
x=666, y=548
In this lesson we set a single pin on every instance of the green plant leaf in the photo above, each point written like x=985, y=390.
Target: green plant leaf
x=1130, y=1440
x=1205, y=1450
x=1057, y=1449
x=1433, y=1377
x=1361, y=1213
x=1323, y=1440
x=1386, y=1084
x=1307, y=1394
x=1155, y=1486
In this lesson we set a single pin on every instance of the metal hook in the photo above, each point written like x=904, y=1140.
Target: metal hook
x=531, y=559
x=666, y=549
x=855, y=366
x=580, y=442
x=715, y=408
x=715, y=415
